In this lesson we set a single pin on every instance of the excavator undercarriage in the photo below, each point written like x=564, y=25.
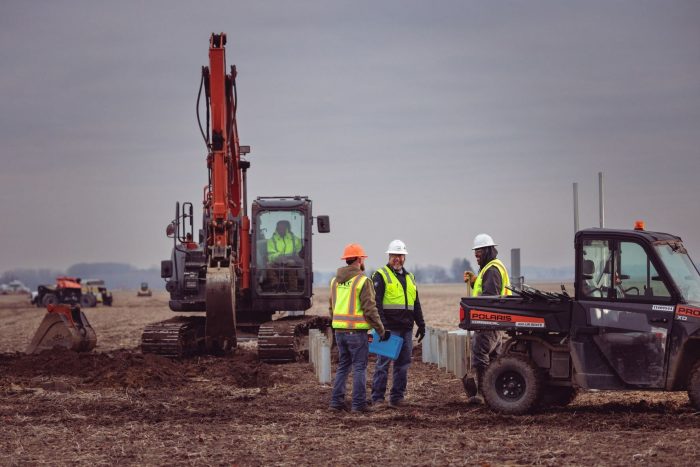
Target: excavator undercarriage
x=287, y=339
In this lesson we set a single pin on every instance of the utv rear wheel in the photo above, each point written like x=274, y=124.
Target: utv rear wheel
x=694, y=386
x=512, y=385
x=558, y=396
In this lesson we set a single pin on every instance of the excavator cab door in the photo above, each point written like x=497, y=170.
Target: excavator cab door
x=281, y=253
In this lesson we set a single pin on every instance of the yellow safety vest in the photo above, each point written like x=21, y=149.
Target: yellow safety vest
x=278, y=245
x=347, y=309
x=480, y=278
x=394, y=296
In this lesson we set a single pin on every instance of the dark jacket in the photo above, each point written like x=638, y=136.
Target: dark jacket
x=397, y=320
x=367, y=301
x=492, y=282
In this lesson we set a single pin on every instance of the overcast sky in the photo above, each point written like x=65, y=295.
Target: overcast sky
x=425, y=121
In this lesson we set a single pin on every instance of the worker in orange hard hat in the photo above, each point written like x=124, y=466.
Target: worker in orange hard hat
x=354, y=311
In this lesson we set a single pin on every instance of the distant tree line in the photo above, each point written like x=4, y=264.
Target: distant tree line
x=115, y=275
x=126, y=276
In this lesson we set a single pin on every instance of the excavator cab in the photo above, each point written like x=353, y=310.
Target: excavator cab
x=281, y=268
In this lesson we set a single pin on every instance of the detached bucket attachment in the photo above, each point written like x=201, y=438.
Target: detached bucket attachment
x=63, y=327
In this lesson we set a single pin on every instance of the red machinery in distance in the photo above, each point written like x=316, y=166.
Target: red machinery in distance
x=233, y=275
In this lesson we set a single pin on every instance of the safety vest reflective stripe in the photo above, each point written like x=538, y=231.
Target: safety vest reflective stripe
x=397, y=307
x=395, y=297
x=498, y=264
x=347, y=311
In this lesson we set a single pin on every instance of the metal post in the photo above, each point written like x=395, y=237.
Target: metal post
x=600, y=199
x=324, y=376
x=515, y=264
x=575, y=207
x=426, y=346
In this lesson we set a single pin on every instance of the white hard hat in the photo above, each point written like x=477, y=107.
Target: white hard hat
x=397, y=247
x=482, y=241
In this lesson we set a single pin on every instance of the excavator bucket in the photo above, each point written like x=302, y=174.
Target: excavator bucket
x=63, y=327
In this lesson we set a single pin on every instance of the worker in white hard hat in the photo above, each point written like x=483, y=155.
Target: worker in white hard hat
x=399, y=309
x=491, y=280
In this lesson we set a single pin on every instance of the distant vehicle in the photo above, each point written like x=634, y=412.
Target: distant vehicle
x=94, y=291
x=144, y=291
x=66, y=290
x=14, y=288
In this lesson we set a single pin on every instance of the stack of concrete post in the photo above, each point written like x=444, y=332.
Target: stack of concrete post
x=448, y=350
x=320, y=355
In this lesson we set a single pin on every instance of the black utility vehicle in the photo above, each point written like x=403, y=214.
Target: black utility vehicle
x=632, y=324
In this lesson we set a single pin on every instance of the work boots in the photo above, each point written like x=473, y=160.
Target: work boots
x=472, y=387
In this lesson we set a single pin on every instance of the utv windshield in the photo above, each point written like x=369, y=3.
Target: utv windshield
x=682, y=270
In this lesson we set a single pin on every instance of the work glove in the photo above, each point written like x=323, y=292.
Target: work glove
x=469, y=277
x=420, y=333
x=386, y=336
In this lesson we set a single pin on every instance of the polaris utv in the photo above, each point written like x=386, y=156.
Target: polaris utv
x=632, y=324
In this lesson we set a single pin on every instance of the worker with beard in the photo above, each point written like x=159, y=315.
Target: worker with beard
x=353, y=311
x=399, y=308
x=486, y=345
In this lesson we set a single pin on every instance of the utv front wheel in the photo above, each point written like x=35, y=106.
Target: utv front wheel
x=512, y=385
x=694, y=386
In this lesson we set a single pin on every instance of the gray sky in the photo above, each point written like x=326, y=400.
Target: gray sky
x=425, y=121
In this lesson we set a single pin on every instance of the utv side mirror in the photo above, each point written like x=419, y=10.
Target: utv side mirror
x=170, y=230
x=323, y=223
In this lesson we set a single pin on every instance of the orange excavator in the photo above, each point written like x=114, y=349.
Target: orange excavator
x=244, y=269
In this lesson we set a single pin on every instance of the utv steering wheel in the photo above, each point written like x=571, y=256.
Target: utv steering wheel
x=636, y=289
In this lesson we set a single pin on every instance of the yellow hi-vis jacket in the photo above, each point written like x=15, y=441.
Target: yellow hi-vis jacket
x=480, y=278
x=347, y=309
x=278, y=246
x=394, y=297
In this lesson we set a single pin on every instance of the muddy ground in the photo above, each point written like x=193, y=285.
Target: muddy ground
x=117, y=406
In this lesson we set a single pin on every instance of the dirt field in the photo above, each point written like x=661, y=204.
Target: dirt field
x=117, y=406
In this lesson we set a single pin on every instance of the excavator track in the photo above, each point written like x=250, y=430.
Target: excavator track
x=287, y=339
x=175, y=337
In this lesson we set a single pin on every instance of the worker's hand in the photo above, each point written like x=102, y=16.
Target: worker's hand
x=469, y=277
x=386, y=336
x=420, y=333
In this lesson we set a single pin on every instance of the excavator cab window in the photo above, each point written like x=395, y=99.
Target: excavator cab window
x=279, y=252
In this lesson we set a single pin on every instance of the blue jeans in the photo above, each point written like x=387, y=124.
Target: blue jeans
x=381, y=370
x=352, y=352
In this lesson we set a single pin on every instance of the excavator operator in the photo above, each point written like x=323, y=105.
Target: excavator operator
x=283, y=242
x=283, y=250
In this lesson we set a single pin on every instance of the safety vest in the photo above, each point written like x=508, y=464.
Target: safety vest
x=480, y=278
x=278, y=245
x=347, y=309
x=395, y=298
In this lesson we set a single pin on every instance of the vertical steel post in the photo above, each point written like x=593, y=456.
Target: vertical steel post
x=515, y=266
x=600, y=199
x=575, y=207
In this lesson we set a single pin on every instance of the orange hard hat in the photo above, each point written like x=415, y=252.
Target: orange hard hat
x=353, y=250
